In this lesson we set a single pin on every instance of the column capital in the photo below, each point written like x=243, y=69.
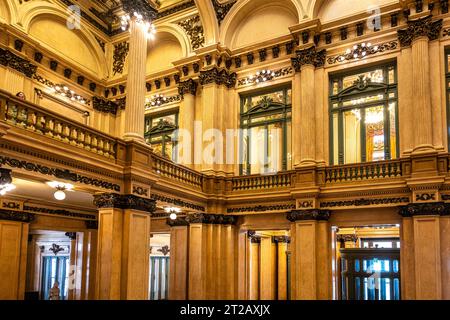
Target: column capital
x=425, y=209
x=218, y=76
x=188, y=86
x=142, y=7
x=281, y=239
x=178, y=222
x=309, y=56
x=16, y=216
x=303, y=215
x=346, y=238
x=423, y=27
x=206, y=218
x=124, y=201
x=253, y=237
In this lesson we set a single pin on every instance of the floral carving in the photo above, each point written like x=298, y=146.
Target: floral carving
x=424, y=27
x=194, y=29
x=120, y=54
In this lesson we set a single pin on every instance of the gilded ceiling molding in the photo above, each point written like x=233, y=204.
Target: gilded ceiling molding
x=308, y=56
x=9, y=59
x=205, y=218
x=423, y=27
x=124, y=201
x=425, y=209
x=194, y=29
x=222, y=9
x=219, y=77
x=16, y=216
x=58, y=173
x=120, y=53
x=313, y=214
x=187, y=87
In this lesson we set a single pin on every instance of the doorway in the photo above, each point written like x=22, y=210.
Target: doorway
x=159, y=266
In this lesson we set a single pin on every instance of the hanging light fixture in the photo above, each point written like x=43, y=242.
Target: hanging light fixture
x=6, y=184
x=60, y=187
x=172, y=212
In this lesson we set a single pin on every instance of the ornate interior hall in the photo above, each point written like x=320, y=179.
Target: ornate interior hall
x=224, y=150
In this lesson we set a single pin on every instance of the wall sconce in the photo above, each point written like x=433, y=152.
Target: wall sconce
x=60, y=188
x=173, y=212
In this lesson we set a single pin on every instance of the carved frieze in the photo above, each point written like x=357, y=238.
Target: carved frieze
x=177, y=202
x=262, y=208
x=188, y=86
x=211, y=218
x=309, y=56
x=16, y=215
x=124, y=201
x=314, y=214
x=219, y=77
x=363, y=202
x=178, y=222
x=58, y=173
x=9, y=59
x=361, y=51
x=120, y=53
x=57, y=212
x=346, y=238
x=142, y=7
x=194, y=29
x=424, y=27
x=281, y=239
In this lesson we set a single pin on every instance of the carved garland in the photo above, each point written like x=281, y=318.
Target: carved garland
x=272, y=76
x=120, y=54
x=177, y=202
x=194, y=29
x=261, y=208
x=211, y=218
x=314, y=214
x=58, y=173
x=16, y=216
x=425, y=209
x=387, y=46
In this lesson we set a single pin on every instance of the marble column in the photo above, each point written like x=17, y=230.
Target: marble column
x=137, y=60
x=311, y=254
x=417, y=36
x=178, y=271
x=282, y=248
x=187, y=89
x=422, y=248
x=304, y=105
x=123, y=249
x=255, y=243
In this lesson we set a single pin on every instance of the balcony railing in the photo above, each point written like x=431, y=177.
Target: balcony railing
x=257, y=182
x=364, y=171
x=169, y=169
x=36, y=119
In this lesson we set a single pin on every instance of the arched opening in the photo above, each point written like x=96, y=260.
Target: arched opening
x=164, y=50
x=335, y=9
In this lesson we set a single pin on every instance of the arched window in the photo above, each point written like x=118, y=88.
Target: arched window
x=266, y=131
x=363, y=115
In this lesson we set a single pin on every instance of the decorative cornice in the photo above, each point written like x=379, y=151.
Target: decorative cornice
x=188, y=86
x=423, y=27
x=178, y=222
x=58, y=173
x=308, y=56
x=124, y=201
x=425, y=209
x=262, y=208
x=16, y=216
x=219, y=77
x=194, y=29
x=91, y=224
x=222, y=9
x=314, y=214
x=9, y=59
x=120, y=53
x=211, y=218
x=177, y=202
x=363, y=202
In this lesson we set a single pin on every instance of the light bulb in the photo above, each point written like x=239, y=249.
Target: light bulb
x=59, y=195
x=173, y=216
